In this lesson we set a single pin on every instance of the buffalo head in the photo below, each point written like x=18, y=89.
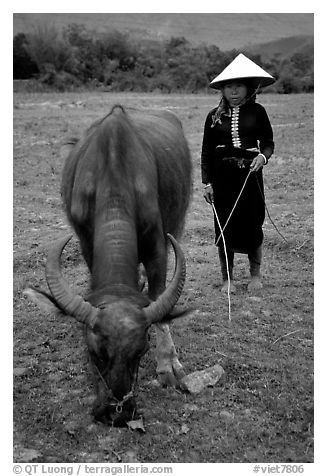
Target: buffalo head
x=116, y=332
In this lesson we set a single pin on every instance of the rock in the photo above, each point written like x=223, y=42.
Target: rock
x=27, y=455
x=197, y=381
x=20, y=371
x=71, y=427
x=190, y=407
x=215, y=415
x=266, y=313
x=247, y=313
x=92, y=428
x=184, y=429
x=154, y=383
x=130, y=456
x=254, y=298
x=225, y=415
x=136, y=425
x=107, y=442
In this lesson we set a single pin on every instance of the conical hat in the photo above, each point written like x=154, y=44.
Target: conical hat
x=243, y=68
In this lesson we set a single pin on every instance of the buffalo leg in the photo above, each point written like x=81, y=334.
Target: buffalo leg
x=169, y=369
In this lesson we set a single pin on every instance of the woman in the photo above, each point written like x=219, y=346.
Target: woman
x=237, y=143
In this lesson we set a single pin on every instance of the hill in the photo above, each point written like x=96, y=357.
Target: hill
x=225, y=30
x=284, y=48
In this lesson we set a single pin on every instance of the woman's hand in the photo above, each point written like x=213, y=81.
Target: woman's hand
x=208, y=193
x=258, y=162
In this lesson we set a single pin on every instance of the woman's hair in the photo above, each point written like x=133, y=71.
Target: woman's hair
x=252, y=88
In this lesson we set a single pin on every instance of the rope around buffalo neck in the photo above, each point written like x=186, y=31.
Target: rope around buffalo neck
x=128, y=396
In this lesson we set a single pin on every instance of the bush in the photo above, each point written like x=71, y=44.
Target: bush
x=61, y=81
x=78, y=57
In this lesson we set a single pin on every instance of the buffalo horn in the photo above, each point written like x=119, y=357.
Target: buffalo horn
x=71, y=303
x=164, y=304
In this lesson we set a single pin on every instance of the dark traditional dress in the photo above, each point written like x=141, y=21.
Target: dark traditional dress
x=247, y=127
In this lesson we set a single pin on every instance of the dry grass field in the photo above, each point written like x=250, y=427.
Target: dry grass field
x=262, y=409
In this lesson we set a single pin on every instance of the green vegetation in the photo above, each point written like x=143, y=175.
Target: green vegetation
x=116, y=61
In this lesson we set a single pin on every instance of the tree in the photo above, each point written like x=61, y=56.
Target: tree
x=23, y=65
x=116, y=46
x=45, y=47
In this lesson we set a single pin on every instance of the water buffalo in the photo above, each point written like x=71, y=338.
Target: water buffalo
x=126, y=187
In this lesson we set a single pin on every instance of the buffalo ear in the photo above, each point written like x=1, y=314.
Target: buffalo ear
x=67, y=147
x=177, y=312
x=42, y=299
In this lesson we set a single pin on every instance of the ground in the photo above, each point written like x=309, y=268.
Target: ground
x=262, y=409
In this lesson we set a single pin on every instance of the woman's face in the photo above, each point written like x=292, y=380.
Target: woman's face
x=234, y=92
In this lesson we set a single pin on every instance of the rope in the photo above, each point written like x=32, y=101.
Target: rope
x=222, y=231
x=225, y=250
x=119, y=403
x=224, y=242
x=264, y=201
x=231, y=213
